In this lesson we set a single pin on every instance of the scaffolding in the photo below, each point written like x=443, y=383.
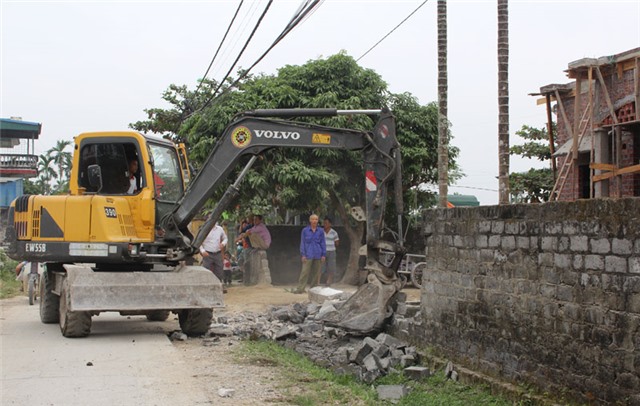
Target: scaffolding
x=598, y=122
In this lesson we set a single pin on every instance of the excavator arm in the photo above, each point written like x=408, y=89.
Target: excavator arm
x=255, y=132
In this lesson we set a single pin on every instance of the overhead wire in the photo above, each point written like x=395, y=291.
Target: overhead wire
x=395, y=28
x=300, y=15
x=219, y=46
x=213, y=95
x=237, y=35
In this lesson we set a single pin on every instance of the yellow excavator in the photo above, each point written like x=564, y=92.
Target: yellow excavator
x=120, y=241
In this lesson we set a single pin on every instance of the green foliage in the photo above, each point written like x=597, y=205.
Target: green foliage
x=54, y=168
x=535, y=185
x=305, y=383
x=9, y=286
x=32, y=188
x=305, y=179
x=536, y=146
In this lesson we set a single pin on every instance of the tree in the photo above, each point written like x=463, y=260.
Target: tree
x=46, y=173
x=32, y=188
x=535, y=185
x=503, y=101
x=318, y=180
x=62, y=159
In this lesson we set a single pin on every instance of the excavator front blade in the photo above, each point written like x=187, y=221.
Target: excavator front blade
x=188, y=287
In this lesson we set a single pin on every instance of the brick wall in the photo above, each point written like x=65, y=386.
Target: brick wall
x=546, y=294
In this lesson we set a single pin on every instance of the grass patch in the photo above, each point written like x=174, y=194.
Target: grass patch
x=304, y=383
x=9, y=286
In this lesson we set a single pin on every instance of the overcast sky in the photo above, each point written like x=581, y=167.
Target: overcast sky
x=78, y=66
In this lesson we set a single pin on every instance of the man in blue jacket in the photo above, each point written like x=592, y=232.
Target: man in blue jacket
x=313, y=250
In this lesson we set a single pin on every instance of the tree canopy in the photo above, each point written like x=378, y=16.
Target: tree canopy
x=306, y=180
x=535, y=185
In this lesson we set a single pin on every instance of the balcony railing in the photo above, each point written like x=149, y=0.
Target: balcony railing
x=18, y=165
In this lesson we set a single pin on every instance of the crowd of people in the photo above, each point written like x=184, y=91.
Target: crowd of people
x=317, y=250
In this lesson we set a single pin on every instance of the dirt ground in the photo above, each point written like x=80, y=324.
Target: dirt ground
x=215, y=367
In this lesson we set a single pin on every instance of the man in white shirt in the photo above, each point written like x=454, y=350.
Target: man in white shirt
x=212, y=250
x=133, y=181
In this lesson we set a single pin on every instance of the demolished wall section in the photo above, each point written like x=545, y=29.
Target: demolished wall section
x=539, y=294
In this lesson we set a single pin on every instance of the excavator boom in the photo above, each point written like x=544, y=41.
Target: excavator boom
x=254, y=132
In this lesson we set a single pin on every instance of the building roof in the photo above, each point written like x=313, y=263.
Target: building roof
x=462, y=200
x=11, y=128
x=585, y=146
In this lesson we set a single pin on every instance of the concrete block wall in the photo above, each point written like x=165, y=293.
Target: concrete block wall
x=547, y=295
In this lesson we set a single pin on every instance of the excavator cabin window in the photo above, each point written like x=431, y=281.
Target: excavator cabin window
x=113, y=159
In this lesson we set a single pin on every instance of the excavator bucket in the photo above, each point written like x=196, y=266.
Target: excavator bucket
x=368, y=308
x=188, y=287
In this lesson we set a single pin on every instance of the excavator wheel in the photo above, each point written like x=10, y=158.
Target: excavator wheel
x=49, y=301
x=195, y=322
x=72, y=324
x=158, y=315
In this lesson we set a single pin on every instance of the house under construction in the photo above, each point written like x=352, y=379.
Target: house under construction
x=598, y=128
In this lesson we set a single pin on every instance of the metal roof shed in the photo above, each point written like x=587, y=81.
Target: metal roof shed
x=21, y=162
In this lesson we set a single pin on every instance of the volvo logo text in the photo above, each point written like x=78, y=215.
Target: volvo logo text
x=278, y=135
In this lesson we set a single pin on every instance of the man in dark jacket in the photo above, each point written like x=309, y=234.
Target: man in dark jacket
x=313, y=250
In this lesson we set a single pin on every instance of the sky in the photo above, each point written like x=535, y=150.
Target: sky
x=78, y=66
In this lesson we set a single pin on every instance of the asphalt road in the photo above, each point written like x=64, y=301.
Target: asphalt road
x=126, y=360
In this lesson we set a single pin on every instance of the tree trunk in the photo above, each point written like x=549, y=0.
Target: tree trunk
x=443, y=121
x=503, y=102
x=350, y=276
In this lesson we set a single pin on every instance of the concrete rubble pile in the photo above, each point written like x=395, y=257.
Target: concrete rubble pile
x=299, y=327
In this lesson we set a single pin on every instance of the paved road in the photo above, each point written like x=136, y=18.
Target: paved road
x=133, y=362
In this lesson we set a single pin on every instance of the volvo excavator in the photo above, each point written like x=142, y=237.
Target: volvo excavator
x=108, y=249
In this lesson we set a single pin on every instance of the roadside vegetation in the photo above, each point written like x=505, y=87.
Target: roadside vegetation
x=304, y=383
x=9, y=286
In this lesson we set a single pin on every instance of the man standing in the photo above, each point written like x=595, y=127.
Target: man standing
x=331, y=240
x=259, y=235
x=313, y=250
x=212, y=250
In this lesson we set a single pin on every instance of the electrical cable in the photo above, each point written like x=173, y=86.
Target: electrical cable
x=219, y=46
x=292, y=24
x=298, y=17
x=241, y=28
x=213, y=95
x=390, y=32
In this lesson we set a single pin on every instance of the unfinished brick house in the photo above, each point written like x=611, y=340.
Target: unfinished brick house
x=598, y=128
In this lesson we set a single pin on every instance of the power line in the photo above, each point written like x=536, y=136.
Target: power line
x=219, y=46
x=476, y=188
x=238, y=57
x=301, y=15
x=390, y=32
x=241, y=28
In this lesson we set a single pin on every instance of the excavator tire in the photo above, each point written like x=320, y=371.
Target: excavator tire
x=195, y=322
x=158, y=315
x=72, y=324
x=49, y=301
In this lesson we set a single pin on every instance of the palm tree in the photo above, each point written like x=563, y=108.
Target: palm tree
x=443, y=127
x=46, y=172
x=503, y=102
x=61, y=157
